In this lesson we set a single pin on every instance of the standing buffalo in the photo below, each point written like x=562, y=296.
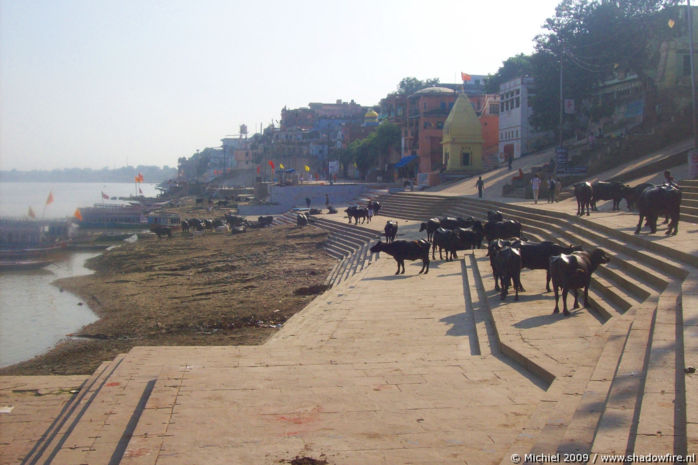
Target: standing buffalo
x=583, y=193
x=502, y=229
x=632, y=195
x=430, y=226
x=508, y=265
x=659, y=200
x=536, y=256
x=357, y=212
x=406, y=250
x=573, y=272
x=608, y=190
x=390, y=231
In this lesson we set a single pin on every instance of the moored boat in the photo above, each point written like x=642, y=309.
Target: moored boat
x=21, y=265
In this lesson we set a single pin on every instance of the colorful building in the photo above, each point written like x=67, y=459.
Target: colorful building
x=427, y=109
x=462, y=138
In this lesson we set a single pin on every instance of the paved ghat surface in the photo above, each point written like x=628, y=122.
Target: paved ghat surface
x=386, y=369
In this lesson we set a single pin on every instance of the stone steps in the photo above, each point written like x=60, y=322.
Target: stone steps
x=621, y=404
x=89, y=427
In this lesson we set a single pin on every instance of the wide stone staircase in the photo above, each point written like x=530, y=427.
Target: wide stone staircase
x=632, y=398
x=689, y=200
x=621, y=388
x=350, y=243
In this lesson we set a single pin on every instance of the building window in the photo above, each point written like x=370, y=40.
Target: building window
x=465, y=159
x=518, y=102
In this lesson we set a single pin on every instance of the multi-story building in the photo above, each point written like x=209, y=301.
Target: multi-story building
x=426, y=111
x=516, y=134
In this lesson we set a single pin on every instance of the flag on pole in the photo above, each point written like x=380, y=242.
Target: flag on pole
x=105, y=196
x=307, y=168
x=77, y=214
x=271, y=163
x=465, y=76
x=569, y=106
x=258, y=169
x=31, y=213
x=281, y=165
x=49, y=199
x=140, y=177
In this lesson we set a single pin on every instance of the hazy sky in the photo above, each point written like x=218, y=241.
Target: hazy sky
x=98, y=83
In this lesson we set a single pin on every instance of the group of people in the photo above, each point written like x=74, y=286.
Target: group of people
x=554, y=187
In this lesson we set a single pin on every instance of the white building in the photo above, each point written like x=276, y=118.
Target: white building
x=516, y=136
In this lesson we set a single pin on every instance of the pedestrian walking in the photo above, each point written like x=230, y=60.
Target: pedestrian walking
x=558, y=188
x=307, y=202
x=510, y=160
x=480, y=184
x=327, y=200
x=535, y=187
x=551, y=190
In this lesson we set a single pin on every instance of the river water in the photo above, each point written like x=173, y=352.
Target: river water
x=34, y=313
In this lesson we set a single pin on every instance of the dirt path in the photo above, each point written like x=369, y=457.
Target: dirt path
x=215, y=289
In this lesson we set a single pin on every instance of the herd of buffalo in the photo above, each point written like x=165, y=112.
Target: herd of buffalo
x=568, y=267
x=651, y=201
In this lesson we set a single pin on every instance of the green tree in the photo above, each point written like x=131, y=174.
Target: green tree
x=593, y=40
x=410, y=85
x=516, y=66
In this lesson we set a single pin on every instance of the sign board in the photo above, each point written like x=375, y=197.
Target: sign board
x=334, y=166
x=561, y=159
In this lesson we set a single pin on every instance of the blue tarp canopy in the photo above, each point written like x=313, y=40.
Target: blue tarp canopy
x=404, y=161
x=290, y=170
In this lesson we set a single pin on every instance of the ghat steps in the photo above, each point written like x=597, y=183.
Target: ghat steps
x=365, y=373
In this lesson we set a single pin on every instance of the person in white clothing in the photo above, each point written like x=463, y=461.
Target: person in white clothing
x=535, y=187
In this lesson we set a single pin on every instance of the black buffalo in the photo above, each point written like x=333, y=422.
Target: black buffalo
x=493, y=248
x=608, y=190
x=161, y=230
x=390, y=231
x=449, y=222
x=406, y=250
x=583, y=192
x=659, y=200
x=195, y=224
x=375, y=206
x=357, y=212
x=494, y=216
x=536, y=256
x=502, y=229
x=185, y=226
x=573, y=272
x=430, y=226
x=632, y=195
x=508, y=264
x=265, y=221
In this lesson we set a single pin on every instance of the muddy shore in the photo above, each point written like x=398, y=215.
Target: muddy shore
x=215, y=289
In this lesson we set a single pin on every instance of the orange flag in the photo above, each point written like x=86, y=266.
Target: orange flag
x=465, y=76
x=31, y=213
x=77, y=214
x=50, y=198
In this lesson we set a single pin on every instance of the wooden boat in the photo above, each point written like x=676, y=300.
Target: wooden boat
x=22, y=265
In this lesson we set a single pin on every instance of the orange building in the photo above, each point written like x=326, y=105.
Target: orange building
x=427, y=109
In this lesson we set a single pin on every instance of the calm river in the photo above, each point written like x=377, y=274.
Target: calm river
x=34, y=313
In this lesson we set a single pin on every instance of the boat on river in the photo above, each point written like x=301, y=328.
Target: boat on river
x=22, y=265
x=23, y=239
x=130, y=216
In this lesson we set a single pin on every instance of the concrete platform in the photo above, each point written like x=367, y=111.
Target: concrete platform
x=420, y=369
